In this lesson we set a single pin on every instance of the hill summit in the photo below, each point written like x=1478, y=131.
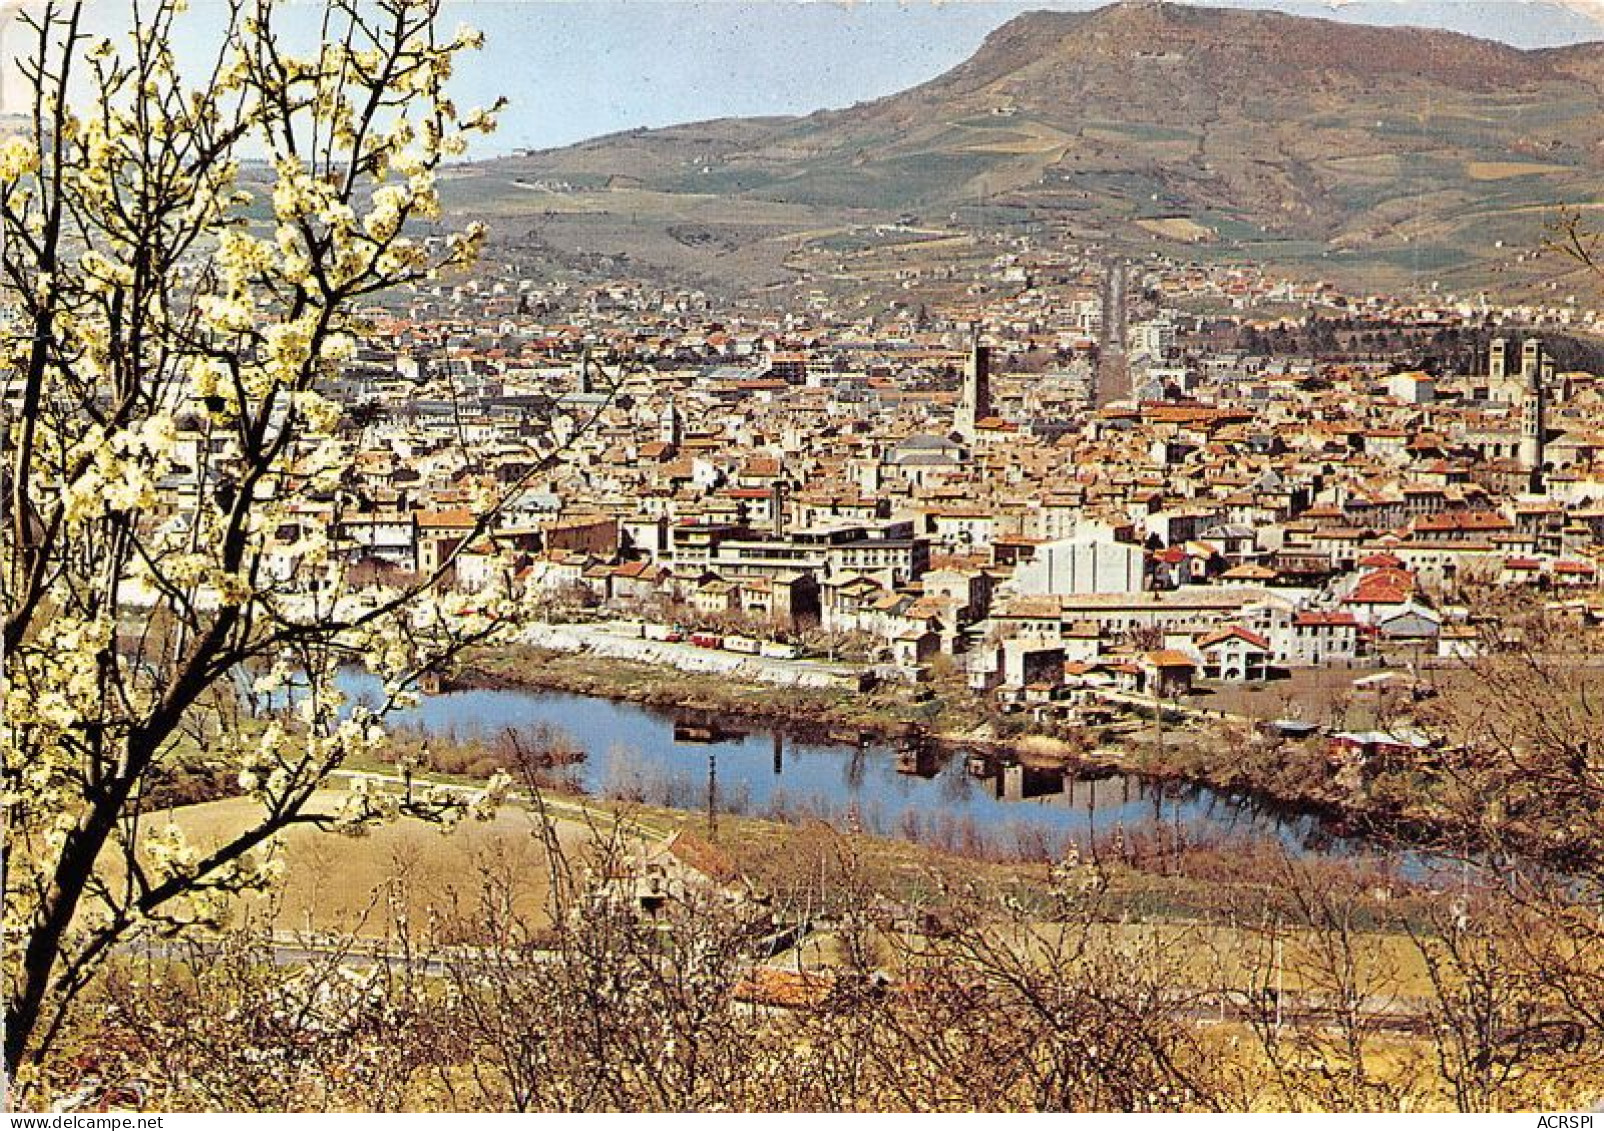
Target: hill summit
x=1400, y=151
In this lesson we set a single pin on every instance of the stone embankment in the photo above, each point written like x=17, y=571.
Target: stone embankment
x=612, y=644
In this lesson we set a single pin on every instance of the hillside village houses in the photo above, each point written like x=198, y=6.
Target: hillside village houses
x=941, y=482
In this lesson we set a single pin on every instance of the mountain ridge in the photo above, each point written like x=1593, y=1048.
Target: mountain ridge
x=1417, y=150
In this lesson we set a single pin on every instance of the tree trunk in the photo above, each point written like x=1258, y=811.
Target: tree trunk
x=50, y=924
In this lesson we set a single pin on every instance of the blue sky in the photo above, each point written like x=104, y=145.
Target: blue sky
x=579, y=68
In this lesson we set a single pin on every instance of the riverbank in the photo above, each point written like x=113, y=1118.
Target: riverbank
x=1293, y=778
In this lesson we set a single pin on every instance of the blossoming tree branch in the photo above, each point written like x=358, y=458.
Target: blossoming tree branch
x=168, y=339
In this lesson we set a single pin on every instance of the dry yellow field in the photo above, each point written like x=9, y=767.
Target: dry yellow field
x=1500, y=170
x=1178, y=228
x=340, y=883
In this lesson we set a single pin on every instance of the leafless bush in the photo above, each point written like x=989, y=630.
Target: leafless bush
x=249, y=1022
x=1502, y=1016
x=653, y=977
x=1316, y=984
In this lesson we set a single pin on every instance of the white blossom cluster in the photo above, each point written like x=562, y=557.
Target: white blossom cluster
x=172, y=349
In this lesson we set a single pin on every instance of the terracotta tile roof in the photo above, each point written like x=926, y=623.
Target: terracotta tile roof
x=1236, y=631
x=1338, y=620
x=456, y=519
x=1170, y=658
x=1379, y=592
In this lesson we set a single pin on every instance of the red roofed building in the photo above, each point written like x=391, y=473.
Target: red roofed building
x=1575, y=573
x=1520, y=571
x=1235, y=655
x=1381, y=592
x=1460, y=526
x=1314, y=639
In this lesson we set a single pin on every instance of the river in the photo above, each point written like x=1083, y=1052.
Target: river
x=759, y=768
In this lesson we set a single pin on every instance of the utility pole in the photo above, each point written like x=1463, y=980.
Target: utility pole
x=1158, y=718
x=712, y=794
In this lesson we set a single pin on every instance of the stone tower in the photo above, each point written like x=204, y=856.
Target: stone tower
x=974, y=403
x=1497, y=360
x=1531, y=360
x=670, y=427
x=777, y=506
x=1536, y=371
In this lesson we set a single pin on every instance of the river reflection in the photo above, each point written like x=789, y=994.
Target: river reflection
x=663, y=758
